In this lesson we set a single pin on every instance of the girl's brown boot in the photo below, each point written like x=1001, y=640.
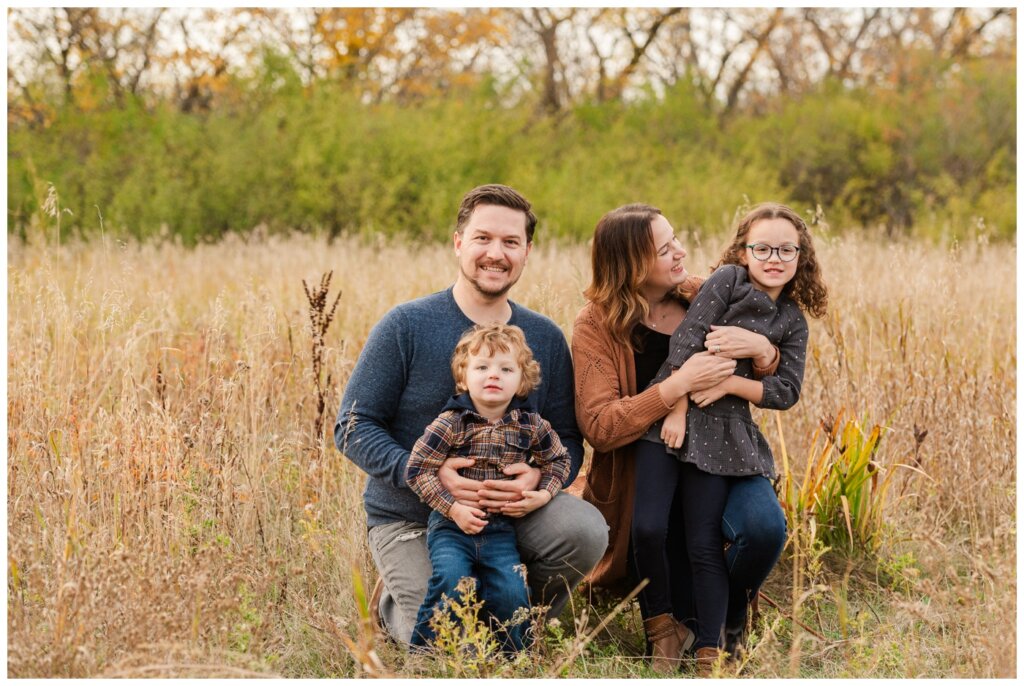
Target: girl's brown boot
x=706, y=659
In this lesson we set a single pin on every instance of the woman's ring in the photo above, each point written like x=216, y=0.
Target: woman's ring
x=718, y=348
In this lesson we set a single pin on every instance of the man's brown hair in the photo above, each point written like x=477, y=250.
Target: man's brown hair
x=496, y=194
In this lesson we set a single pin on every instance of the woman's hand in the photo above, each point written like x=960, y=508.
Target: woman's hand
x=702, y=370
x=737, y=343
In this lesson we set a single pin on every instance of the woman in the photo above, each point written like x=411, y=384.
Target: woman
x=637, y=298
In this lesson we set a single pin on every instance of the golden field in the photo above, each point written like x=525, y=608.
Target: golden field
x=172, y=512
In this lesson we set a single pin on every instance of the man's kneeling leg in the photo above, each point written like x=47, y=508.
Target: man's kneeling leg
x=560, y=543
x=399, y=550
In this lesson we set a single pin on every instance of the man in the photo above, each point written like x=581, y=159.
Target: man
x=401, y=382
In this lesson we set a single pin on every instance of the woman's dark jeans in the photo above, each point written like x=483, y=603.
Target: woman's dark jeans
x=491, y=557
x=654, y=517
x=753, y=524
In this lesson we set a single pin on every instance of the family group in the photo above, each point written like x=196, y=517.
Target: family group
x=468, y=413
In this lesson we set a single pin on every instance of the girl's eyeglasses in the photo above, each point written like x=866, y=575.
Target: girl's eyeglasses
x=763, y=252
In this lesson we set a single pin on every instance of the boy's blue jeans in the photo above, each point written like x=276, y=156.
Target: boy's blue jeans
x=492, y=559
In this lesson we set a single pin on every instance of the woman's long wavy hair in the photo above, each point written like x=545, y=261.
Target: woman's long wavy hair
x=621, y=256
x=808, y=287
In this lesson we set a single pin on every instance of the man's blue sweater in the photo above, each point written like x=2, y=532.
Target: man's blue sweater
x=402, y=381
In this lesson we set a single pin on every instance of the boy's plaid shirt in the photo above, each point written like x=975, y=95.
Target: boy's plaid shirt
x=519, y=436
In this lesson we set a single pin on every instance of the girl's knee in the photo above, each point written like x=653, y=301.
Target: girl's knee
x=707, y=556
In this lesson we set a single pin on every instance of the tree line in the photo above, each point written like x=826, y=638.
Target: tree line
x=200, y=122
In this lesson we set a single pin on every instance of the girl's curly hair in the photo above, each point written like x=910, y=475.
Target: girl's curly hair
x=808, y=287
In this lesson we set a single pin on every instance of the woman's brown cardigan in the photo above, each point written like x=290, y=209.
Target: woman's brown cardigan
x=611, y=415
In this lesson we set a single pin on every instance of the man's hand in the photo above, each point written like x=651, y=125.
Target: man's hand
x=469, y=519
x=464, y=490
x=495, y=494
x=531, y=501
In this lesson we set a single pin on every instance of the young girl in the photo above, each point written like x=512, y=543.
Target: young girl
x=768, y=275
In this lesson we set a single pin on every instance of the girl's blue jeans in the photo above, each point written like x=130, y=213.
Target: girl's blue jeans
x=492, y=560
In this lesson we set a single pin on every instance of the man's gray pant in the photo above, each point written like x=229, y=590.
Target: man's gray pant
x=559, y=543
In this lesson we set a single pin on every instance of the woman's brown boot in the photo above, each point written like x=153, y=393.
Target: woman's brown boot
x=667, y=640
x=706, y=659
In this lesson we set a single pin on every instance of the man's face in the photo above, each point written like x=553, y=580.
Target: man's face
x=492, y=249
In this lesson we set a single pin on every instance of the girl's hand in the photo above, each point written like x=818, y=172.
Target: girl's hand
x=532, y=500
x=673, y=429
x=737, y=343
x=710, y=395
x=470, y=519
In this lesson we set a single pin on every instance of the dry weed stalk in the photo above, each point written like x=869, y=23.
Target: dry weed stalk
x=51, y=208
x=362, y=647
x=320, y=318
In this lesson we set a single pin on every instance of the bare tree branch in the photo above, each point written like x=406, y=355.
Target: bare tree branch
x=961, y=46
x=759, y=46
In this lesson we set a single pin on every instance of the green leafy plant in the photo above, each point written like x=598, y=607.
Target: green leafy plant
x=844, y=487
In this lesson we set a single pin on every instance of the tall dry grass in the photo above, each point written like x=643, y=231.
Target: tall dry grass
x=172, y=512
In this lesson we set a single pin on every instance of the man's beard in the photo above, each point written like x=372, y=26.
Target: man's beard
x=489, y=293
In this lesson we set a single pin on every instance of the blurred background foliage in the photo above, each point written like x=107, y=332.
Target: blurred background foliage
x=196, y=123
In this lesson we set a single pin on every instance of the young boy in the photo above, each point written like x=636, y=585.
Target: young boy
x=490, y=421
